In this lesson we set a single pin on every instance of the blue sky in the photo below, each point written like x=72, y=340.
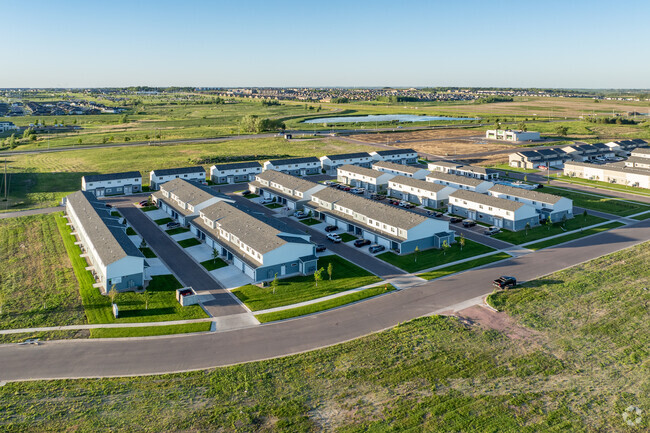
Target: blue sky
x=585, y=44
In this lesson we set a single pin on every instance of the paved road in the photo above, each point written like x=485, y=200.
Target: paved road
x=141, y=356
x=186, y=270
x=21, y=213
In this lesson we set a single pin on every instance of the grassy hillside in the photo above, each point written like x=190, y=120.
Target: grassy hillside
x=584, y=361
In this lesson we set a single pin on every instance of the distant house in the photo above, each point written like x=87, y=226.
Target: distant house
x=499, y=212
x=625, y=147
x=361, y=177
x=463, y=170
x=459, y=182
x=101, y=185
x=295, y=166
x=158, y=177
x=511, y=135
x=399, y=156
x=182, y=200
x=400, y=169
x=641, y=152
x=612, y=173
x=638, y=161
x=555, y=206
x=235, y=172
x=8, y=126
x=287, y=190
x=114, y=259
x=418, y=191
x=332, y=162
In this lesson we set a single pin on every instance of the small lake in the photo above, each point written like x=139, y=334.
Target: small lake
x=383, y=118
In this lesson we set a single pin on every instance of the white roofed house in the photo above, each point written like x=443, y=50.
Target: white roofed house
x=511, y=135
x=361, y=177
x=460, y=169
x=295, y=166
x=109, y=184
x=235, y=172
x=400, y=169
x=114, y=259
x=8, y=126
x=158, y=177
x=332, y=162
x=399, y=156
x=612, y=173
x=459, y=182
x=555, y=206
x=433, y=195
x=397, y=229
x=259, y=246
x=290, y=191
x=183, y=200
x=625, y=147
x=638, y=161
x=499, y=212
x=641, y=152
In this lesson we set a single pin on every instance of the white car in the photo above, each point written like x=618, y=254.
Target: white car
x=334, y=238
x=266, y=201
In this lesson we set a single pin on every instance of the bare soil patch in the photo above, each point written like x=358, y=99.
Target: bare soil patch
x=489, y=319
x=429, y=134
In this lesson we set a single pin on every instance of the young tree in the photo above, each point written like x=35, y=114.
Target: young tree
x=549, y=222
x=275, y=282
x=112, y=293
x=525, y=178
x=330, y=270
x=461, y=241
x=80, y=141
x=562, y=130
x=417, y=250
x=3, y=300
x=445, y=247
x=146, y=295
x=527, y=228
x=215, y=255
x=143, y=244
x=584, y=215
x=318, y=276
x=564, y=218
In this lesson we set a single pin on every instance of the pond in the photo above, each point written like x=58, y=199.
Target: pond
x=383, y=118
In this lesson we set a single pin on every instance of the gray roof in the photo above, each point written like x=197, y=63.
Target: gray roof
x=639, y=159
x=537, y=196
x=277, y=162
x=417, y=183
x=188, y=192
x=641, y=151
x=362, y=171
x=499, y=203
x=112, y=176
x=449, y=164
x=394, y=152
x=180, y=170
x=110, y=242
x=454, y=178
x=398, y=167
x=348, y=156
x=237, y=165
x=614, y=167
x=295, y=183
x=476, y=169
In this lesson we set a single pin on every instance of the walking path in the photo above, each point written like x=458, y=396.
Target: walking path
x=21, y=213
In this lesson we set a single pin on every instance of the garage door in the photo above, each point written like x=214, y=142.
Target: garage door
x=369, y=235
x=238, y=263
x=249, y=271
x=291, y=205
x=383, y=241
x=330, y=220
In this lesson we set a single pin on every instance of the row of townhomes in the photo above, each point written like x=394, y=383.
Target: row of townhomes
x=460, y=169
x=612, y=173
x=158, y=177
x=259, y=246
x=421, y=192
x=113, y=258
x=235, y=172
x=290, y=191
x=101, y=185
x=362, y=177
x=401, y=169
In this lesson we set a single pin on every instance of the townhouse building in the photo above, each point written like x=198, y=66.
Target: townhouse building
x=235, y=172
x=398, y=156
x=158, y=177
x=400, y=169
x=8, y=127
x=499, y=212
x=109, y=184
x=612, y=173
x=113, y=259
x=547, y=205
x=290, y=191
x=433, y=195
x=638, y=161
x=641, y=152
x=625, y=147
x=182, y=200
x=533, y=159
x=295, y=166
x=511, y=135
x=332, y=162
x=460, y=169
x=397, y=229
x=459, y=182
x=361, y=177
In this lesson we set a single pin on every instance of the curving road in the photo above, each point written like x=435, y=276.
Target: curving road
x=157, y=355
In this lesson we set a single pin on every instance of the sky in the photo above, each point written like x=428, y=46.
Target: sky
x=285, y=43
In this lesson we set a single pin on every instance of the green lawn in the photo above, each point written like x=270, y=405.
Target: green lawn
x=190, y=242
x=162, y=294
x=130, y=231
x=507, y=167
x=599, y=202
x=251, y=196
x=573, y=236
x=643, y=216
x=345, y=276
x=325, y=305
x=148, y=253
x=148, y=208
x=443, y=272
x=162, y=221
x=37, y=283
x=347, y=237
x=213, y=264
x=603, y=185
x=585, y=363
x=273, y=205
x=147, y=331
x=429, y=258
x=116, y=214
x=541, y=232
x=177, y=230
x=310, y=221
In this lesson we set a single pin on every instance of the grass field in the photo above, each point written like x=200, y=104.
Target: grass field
x=345, y=276
x=414, y=262
x=585, y=363
x=448, y=270
x=37, y=284
x=325, y=305
x=604, y=185
x=574, y=236
x=643, y=216
x=544, y=231
x=599, y=202
x=148, y=331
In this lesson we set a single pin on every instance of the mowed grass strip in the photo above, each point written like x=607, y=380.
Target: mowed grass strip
x=177, y=230
x=603, y=185
x=190, y=242
x=37, y=283
x=310, y=221
x=162, y=304
x=347, y=237
x=148, y=253
x=148, y=331
x=148, y=208
x=162, y=221
x=212, y=264
x=600, y=202
x=574, y=236
x=439, y=273
x=540, y=232
x=345, y=276
x=414, y=262
x=325, y=305
x=643, y=216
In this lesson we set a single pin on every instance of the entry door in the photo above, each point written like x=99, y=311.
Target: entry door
x=99, y=192
x=498, y=222
x=283, y=270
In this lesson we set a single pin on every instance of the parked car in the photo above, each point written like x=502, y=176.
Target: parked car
x=376, y=248
x=538, y=186
x=144, y=203
x=331, y=228
x=334, y=238
x=346, y=188
x=394, y=202
x=377, y=197
x=405, y=204
x=455, y=220
x=173, y=224
x=357, y=190
x=361, y=243
x=505, y=282
x=329, y=182
x=108, y=205
x=320, y=248
x=469, y=223
x=267, y=201
x=300, y=214
x=492, y=231
x=245, y=192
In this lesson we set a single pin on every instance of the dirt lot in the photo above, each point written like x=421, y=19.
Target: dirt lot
x=429, y=134
x=489, y=319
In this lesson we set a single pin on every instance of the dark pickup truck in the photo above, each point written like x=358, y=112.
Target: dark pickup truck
x=505, y=282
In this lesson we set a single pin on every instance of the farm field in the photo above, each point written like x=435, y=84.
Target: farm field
x=568, y=367
x=41, y=180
